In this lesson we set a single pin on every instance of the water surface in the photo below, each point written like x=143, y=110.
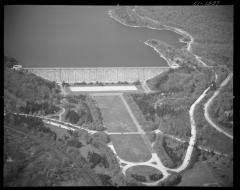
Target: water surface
x=78, y=36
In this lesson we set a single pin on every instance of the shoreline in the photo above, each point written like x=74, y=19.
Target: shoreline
x=179, y=31
x=176, y=30
x=164, y=27
x=146, y=42
x=160, y=54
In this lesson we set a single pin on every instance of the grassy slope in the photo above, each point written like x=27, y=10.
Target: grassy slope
x=198, y=176
x=62, y=172
x=40, y=164
x=20, y=87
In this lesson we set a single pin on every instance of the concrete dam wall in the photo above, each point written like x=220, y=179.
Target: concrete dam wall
x=98, y=74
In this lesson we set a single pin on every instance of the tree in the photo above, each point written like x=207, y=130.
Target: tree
x=139, y=177
x=213, y=86
x=75, y=143
x=156, y=177
x=72, y=116
x=100, y=137
x=137, y=82
x=10, y=61
x=106, y=180
x=94, y=158
x=173, y=179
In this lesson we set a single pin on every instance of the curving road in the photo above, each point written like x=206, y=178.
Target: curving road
x=155, y=161
x=192, y=140
x=208, y=104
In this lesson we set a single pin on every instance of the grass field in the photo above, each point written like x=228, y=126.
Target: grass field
x=131, y=147
x=199, y=175
x=115, y=115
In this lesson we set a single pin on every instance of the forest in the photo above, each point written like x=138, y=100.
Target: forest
x=83, y=111
x=60, y=158
x=26, y=92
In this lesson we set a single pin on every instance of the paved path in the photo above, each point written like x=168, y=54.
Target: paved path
x=146, y=88
x=159, y=165
x=184, y=141
x=208, y=104
x=147, y=142
x=61, y=113
x=131, y=114
x=155, y=160
x=193, y=133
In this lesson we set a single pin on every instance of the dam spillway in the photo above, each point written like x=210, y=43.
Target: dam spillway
x=97, y=74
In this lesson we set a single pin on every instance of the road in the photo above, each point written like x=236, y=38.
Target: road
x=192, y=140
x=61, y=113
x=209, y=103
x=154, y=158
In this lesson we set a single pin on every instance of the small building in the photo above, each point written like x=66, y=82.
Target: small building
x=17, y=67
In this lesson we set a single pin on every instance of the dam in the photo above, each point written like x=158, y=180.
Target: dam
x=98, y=74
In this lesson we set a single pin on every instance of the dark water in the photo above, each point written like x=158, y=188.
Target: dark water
x=78, y=36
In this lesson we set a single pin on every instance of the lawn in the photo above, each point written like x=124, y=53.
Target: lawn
x=131, y=147
x=115, y=115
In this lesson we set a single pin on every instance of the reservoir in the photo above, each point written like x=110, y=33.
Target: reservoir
x=78, y=36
